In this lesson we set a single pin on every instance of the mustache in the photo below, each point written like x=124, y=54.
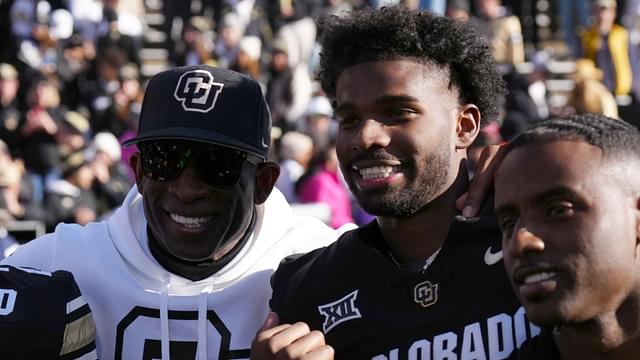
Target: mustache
x=376, y=154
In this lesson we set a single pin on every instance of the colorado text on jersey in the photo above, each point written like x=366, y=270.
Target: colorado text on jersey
x=496, y=338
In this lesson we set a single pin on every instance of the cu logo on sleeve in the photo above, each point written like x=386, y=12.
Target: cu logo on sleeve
x=197, y=91
x=138, y=336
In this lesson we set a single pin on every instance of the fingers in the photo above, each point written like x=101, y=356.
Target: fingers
x=490, y=160
x=289, y=341
x=271, y=321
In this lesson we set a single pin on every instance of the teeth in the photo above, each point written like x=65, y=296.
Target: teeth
x=190, y=222
x=376, y=172
x=539, y=277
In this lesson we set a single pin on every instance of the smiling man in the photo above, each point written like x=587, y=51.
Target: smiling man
x=568, y=200
x=181, y=270
x=420, y=281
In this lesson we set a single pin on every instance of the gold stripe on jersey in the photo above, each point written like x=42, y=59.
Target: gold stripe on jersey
x=78, y=334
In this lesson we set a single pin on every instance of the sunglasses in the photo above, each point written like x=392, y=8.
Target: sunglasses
x=217, y=165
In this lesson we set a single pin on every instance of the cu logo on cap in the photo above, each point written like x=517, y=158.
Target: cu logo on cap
x=197, y=91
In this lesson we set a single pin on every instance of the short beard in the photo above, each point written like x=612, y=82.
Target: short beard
x=406, y=202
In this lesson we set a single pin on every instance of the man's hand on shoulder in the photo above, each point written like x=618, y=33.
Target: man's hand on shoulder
x=289, y=341
x=482, y=182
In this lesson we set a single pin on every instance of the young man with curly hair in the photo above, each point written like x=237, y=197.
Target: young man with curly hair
x=420, y=281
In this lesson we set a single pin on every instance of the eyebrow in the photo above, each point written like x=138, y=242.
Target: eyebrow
x=547, y=194
x=381, y=100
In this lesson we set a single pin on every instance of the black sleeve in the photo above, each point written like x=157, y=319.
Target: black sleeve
x=43, y=316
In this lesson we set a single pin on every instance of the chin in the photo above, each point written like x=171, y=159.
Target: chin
x=549, y=313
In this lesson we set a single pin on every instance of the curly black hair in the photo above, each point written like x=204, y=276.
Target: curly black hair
x=614, y=136
x=393, y=33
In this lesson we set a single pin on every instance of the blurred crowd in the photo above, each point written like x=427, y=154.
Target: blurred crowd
x=72, y=78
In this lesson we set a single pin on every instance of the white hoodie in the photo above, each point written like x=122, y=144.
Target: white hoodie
x=142, y=311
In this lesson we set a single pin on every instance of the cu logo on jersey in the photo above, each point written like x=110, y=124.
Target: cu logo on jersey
x=139, y=336
x=7, y=301
x=425, y=294
x=197, y=91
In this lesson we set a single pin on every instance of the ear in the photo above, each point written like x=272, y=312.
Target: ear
x=266, y=176
x=467, y=126
x=136, y=166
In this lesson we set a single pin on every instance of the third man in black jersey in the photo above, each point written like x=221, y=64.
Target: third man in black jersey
x=568, y=200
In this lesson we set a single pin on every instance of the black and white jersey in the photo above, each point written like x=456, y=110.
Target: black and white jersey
x=461, y=306
x=43, y=316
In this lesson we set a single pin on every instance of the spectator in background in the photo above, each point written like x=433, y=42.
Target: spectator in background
x=39, y=126
x=249, y=58
x=100, y=95
x=520, y=110
x=229, y=35
x=253, y=16
x=71, y=199
x=501, y=29
x=323, y=182
x=458, y=10
x=9, y=107
x=17, y=194
x=573, y=16
x=88, y=15
x=589, y=93
x=111, y=182
x=74, y=71
x=609, y=46
x=196, y=46
x=296, y=153
x=73, y=133
x=318, y=121
x=288, y=88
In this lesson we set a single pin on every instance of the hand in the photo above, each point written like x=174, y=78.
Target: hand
x=490, y=159
x=289, y=341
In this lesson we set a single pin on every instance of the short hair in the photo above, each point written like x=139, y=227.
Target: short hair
x=613, y=136
x=394, y=33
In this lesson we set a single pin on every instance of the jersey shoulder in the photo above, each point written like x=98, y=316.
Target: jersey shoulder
x=300, y=279
x=46, y=306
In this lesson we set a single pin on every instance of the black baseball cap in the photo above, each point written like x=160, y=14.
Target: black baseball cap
x=206, y=104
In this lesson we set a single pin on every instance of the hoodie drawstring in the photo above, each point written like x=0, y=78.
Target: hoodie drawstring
x=164, y=321
x=202, y=322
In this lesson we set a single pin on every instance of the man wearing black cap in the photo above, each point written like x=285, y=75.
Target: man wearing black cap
x=182, y=271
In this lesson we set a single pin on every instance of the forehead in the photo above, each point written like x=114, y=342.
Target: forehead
x=534, y=168
x=394, y=77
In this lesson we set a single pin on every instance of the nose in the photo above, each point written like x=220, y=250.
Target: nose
x=522, y=242
x=189, y=186
x=371, y=134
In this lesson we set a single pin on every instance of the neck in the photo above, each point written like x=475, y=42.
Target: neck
x=614, y=335
x=421, y=234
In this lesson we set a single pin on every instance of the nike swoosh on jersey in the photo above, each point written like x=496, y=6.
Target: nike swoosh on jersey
x=491, y=258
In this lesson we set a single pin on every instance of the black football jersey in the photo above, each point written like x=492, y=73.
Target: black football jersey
x=541, y=347
x=43, y=316
x=461, y=306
